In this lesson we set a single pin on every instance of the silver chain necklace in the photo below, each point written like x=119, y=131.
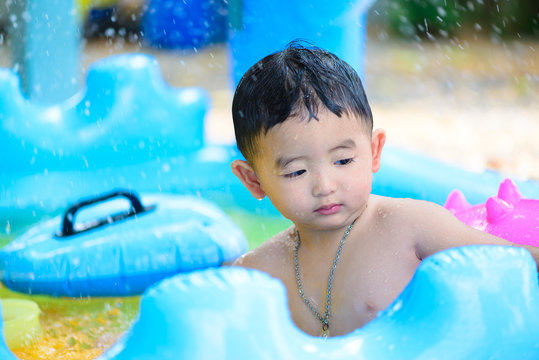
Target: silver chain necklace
x=324, y=320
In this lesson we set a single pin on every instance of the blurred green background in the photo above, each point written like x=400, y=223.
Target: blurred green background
x=494, y=19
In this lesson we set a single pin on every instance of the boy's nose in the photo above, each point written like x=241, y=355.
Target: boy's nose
x=324, y=185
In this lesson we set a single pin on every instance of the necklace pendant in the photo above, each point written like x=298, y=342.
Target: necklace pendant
x=324, y=332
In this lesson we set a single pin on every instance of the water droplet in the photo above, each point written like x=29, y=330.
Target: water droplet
x=26, y=16
x=110, y=32
x=441, y=11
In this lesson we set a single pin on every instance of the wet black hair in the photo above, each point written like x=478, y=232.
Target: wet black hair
x=294, y=82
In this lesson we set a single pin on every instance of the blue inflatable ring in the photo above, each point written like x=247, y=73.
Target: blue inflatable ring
x=474, y=302
x=104, y=251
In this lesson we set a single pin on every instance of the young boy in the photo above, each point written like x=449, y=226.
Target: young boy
x=304, y=126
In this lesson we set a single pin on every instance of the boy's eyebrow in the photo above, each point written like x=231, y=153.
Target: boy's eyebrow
x=282, y=161
x=346, y=144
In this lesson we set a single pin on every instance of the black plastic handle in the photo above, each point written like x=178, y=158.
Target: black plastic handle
x=68, y=228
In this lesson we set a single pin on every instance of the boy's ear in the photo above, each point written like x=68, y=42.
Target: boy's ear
x=248, y=177
x=377, y=144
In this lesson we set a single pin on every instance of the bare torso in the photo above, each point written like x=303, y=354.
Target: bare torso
x=377, y=261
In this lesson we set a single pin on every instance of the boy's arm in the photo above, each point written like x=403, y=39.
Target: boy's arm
x=443, y=230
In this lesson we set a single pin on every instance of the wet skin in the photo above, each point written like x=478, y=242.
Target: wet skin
x=318, y=174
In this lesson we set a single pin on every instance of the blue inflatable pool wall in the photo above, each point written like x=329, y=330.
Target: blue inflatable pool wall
x=126, y=114
x=464, y=303
x=406, y=173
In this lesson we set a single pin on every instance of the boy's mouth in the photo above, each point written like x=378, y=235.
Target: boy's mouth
x=328, y=209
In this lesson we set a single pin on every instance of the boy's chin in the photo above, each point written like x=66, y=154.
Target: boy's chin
x=331, y=222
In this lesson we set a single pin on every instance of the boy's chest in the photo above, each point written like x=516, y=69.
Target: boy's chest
x=361, y=287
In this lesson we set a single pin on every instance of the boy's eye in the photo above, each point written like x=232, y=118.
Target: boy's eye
x=344, y=161
x=294, y=174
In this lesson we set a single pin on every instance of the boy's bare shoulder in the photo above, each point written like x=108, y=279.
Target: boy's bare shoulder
x=411, y=219
x=272, y=255
x=402, y=208
x=427, y=226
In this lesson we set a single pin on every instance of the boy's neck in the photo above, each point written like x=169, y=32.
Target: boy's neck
x=319, y=238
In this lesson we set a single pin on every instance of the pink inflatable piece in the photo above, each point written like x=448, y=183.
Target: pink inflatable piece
x=508, y=215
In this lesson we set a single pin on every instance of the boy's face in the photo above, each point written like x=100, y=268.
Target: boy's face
x=317, y=173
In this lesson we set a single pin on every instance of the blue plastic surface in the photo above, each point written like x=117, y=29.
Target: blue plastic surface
x=46, y=46
x=126, y=114
x=124, y=258
x=409, y=174
x=184, y=24
x=263, y=27
x=464, y=303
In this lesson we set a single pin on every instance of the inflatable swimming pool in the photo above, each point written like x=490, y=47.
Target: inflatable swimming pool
x=474, y=302
x=101, y=247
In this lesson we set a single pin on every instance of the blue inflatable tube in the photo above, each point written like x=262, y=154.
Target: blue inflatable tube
x=409, y=174
x=110, y=249
x=475, y=302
